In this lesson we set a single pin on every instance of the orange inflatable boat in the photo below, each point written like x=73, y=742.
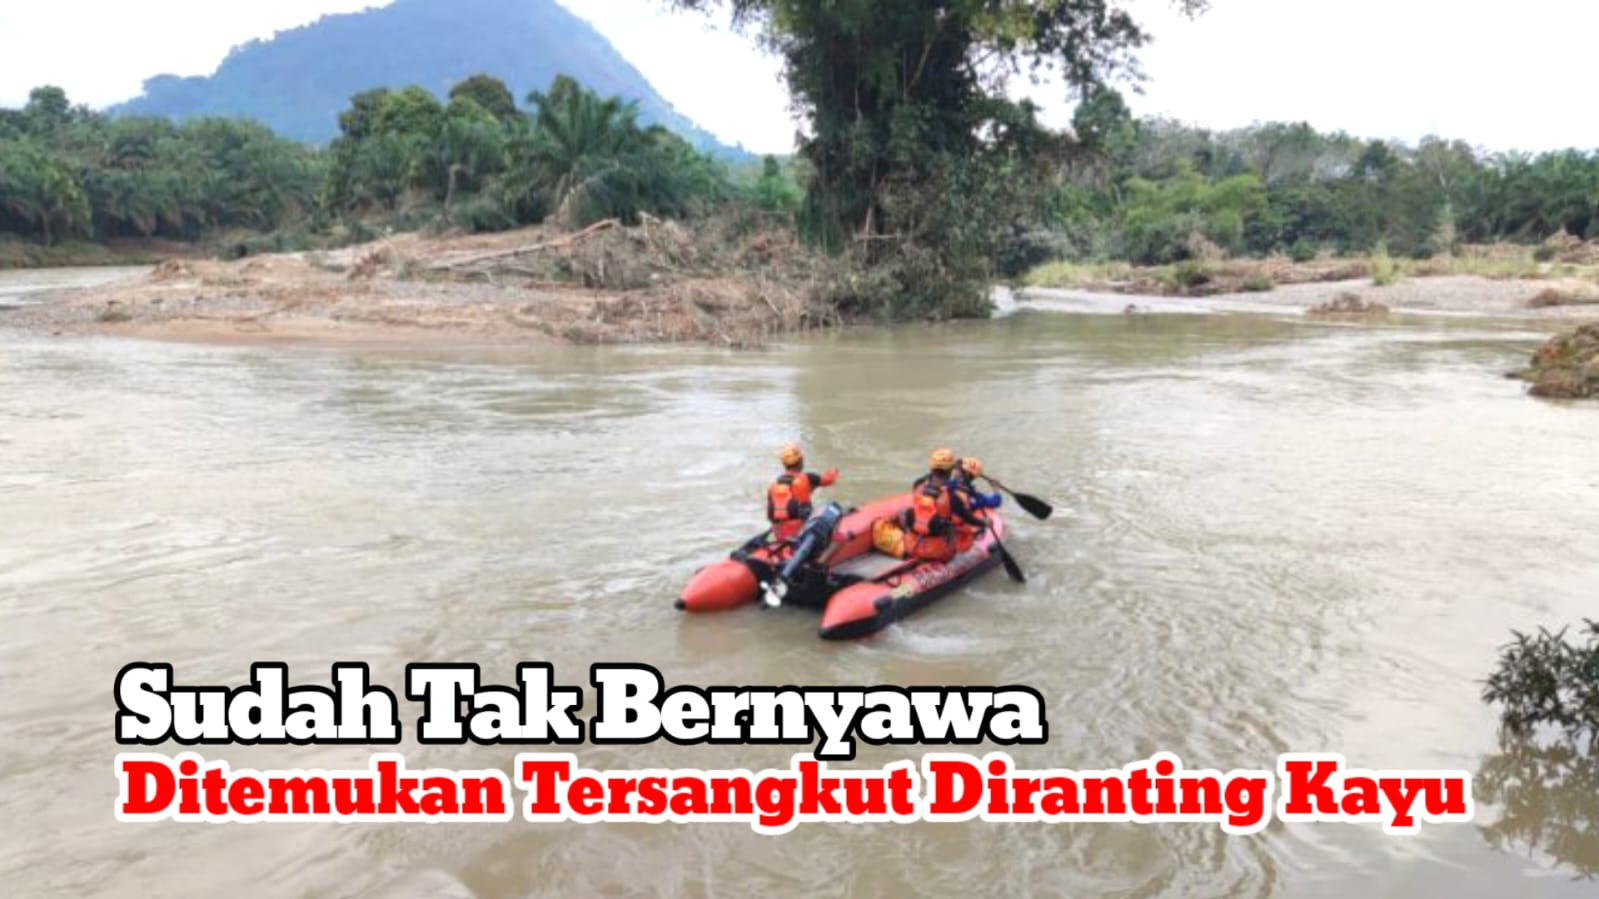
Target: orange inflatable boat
x=858, y=589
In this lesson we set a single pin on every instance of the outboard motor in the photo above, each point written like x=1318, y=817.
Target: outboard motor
x=818, y=532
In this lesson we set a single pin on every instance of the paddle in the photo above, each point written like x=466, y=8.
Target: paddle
x=1011, y=568
x=1034, y=506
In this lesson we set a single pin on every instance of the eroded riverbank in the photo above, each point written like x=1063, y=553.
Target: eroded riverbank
x=720, y=282
x=657, y=283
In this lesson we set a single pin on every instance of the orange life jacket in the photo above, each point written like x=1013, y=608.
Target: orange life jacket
x=931, y=514
x=789, y=498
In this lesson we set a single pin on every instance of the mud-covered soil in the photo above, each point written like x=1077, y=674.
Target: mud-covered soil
x=723, y=281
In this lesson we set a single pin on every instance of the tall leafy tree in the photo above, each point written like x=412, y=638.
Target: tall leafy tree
x=488, y=92
x=903, y=99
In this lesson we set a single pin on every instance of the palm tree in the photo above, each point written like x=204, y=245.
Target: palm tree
x=40, y=191
x=580, y=152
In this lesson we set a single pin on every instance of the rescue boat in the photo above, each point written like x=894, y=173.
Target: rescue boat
x=839, y=570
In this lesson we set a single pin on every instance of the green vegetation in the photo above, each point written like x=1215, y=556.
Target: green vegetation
x=1384, y=270
x=577, y=157
x=935, y=182
x=16, y=252
x=1190, y=273
x=924, y=173
x=1546, y=679
x=1062, y=273
x=69, y=175
x=1142, y=193
x=915, y=169
x=1545, y=776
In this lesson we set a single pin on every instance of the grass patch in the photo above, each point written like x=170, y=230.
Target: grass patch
x=1188, y=273
x=1076, y=274
x=1258, y=284
x=1498, y=269
x=1384, y=269
x=27, y=254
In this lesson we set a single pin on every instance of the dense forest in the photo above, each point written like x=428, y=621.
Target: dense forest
x=1138, y=189
x=68, y=172
x=402, y=157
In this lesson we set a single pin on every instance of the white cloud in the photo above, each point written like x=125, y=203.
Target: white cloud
x=1496, y=76
x=1500, y=76
x=713, y=75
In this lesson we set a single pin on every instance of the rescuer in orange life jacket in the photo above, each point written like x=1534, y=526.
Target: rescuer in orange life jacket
x=940, y=521
x=788, y=500
x=964, y=478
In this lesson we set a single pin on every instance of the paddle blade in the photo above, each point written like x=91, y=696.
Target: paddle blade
x=1034, y=506
x=1011, y=568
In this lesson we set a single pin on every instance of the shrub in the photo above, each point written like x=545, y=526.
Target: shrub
x=1023, y=249
x=1384, y=270
x=1190, y=273
x=1302, y=250
x=1543, y=253
x=477, y=214
x=1546, y=680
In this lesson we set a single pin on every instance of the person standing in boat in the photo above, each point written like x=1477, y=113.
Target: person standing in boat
x=788, y=499
x=939, y=508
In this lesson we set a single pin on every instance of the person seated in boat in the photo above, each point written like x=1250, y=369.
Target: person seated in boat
x=949, y=482
x=788, y=499
x=937, y=509
x=964, y=476
x=964, y=479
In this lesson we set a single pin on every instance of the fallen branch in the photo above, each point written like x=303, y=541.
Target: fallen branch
x=528, y=248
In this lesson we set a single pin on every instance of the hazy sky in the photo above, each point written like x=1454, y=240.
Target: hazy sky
x=1500, y=77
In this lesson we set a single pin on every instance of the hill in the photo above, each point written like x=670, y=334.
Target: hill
x=299, y=80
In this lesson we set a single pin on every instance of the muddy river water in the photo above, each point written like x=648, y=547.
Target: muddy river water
x=1271, y=535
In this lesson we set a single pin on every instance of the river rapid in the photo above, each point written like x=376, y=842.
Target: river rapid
x=1271, y=535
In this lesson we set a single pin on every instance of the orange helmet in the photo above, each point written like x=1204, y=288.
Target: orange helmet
x=972, y=467
x=791, y=455
x=941, y=460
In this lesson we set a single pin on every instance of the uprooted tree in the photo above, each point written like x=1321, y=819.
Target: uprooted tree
x=919, y=162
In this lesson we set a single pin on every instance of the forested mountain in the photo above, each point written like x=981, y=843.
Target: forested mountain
x=298, y=81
